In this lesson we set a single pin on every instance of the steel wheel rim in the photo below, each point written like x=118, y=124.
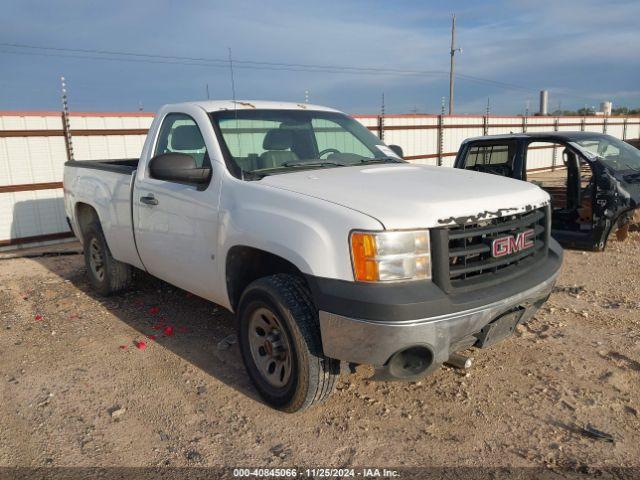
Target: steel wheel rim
x=270, y=347
x=96, y=261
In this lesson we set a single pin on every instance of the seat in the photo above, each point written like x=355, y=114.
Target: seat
x=188, y=139
x=277, y=143
x=573, y=180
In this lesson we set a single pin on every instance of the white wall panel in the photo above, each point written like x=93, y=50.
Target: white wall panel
x=40, y=159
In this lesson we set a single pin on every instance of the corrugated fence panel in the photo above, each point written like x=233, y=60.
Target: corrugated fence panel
x=33, y=152
x=32, y=156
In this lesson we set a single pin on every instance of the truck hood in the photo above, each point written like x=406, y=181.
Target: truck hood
x=414, y=196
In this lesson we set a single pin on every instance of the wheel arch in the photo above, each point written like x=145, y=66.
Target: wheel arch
x=245, y=264
x=84, y=215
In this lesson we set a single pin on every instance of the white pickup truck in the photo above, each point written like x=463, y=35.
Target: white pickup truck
x=326, y=245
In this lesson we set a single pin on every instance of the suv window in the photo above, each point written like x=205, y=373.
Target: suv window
x=179, y=133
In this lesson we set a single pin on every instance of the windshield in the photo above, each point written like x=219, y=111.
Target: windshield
x=614, y=153
x=268, y=142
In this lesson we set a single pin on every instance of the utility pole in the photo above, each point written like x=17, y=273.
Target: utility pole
x=207, y=88
x=306, y=96
x=452, y=53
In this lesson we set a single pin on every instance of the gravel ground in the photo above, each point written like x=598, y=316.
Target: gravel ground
x=76, y=390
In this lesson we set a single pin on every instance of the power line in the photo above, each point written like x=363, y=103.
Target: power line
x=215, y=65
x=247, y=64
x=135, y=57
x=222, y=61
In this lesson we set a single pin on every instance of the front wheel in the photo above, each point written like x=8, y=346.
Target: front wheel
x=279, y=337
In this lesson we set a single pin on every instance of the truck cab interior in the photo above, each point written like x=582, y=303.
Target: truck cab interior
x=571, y=187
x=555, y=167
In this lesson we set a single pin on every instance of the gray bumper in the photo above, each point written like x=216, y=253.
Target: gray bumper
x=374, y=342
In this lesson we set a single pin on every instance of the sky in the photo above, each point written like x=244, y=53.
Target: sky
x=582, y=51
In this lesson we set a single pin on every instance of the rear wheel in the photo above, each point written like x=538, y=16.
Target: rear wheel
x=279, y=337
x=107, y=275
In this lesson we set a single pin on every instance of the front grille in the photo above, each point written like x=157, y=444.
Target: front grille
x=467, y=251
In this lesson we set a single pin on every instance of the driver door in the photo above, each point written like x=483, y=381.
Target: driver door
x=176, y=224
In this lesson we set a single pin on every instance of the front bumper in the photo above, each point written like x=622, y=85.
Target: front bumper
x=371, y=342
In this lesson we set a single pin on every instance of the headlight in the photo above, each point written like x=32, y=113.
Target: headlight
x=391, y=256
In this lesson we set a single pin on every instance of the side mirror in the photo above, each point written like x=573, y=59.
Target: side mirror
x=178, y=167
x=397, y=150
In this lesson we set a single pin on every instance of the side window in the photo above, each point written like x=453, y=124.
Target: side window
x=494, y=158
x=179, y=133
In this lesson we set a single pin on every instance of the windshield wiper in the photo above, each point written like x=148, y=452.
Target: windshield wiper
x=381, y=160
x=314, y=163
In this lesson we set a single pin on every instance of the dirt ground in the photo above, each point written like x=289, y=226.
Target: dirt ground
x=76, y=391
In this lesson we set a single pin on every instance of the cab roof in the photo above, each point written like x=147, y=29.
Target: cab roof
x=219, y=105
x=552, y=135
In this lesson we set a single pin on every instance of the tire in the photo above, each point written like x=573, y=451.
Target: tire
x=107, y=275
x=302, y=375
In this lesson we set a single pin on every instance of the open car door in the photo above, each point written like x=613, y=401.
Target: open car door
x=573, y=189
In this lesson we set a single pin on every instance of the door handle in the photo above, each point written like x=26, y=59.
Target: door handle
x=149, y=200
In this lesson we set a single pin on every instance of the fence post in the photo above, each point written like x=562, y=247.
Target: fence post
x=555, y=146
x=583, y=124
x=604, y=125
x=440, y=138
x=624, y=128
x=485, y=124
x=381, y=127
x=66, y=127
x=524, y=124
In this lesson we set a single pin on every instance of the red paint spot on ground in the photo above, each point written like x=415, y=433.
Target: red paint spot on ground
x=168, y=331
x=183, y=329
x=151, y=337
x=38, y=318
x=154, y=311
x=123, y=347
x=157, y=327
x=141, y=345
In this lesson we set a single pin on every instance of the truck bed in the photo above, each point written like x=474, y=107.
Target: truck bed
x=124, y=165
x=106, y=186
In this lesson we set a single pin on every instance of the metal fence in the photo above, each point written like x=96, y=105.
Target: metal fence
x=33, y=150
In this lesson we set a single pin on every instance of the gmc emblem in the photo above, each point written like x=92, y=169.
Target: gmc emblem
x=507, y=245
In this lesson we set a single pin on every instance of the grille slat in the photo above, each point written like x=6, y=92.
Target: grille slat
x=469, y=252
x=466, y=231
x=498, y=262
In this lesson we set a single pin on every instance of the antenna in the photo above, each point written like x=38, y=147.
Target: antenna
x=233, y=83
x=452, y=52
x=235, y=109
x=381, y=126
x=488, y=105
x=65, y=119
